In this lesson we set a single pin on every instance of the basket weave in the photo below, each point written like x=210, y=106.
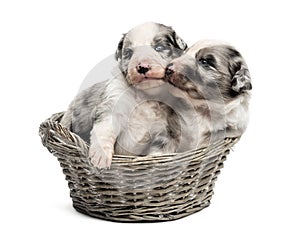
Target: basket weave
x=136, y=188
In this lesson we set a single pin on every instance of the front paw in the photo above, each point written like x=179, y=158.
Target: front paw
x=100, y=156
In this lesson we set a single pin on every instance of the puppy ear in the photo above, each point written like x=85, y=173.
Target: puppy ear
x=179, y=43
x=174, y=38
x=118, y=54
x=241, y=80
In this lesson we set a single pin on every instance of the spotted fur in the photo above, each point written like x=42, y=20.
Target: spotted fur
x=126, y=114
x=215, y=78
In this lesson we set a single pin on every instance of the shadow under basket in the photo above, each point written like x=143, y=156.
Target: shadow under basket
x=136, y=188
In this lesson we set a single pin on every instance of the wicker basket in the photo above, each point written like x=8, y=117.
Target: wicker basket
x=136, y=188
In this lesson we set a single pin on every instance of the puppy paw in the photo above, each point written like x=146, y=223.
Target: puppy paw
x=100, y=156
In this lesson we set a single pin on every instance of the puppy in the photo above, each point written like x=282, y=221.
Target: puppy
x=125, y=115
x=213, y=78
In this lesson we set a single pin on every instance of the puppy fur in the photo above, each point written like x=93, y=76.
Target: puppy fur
x=125, y=115
x=214, y=78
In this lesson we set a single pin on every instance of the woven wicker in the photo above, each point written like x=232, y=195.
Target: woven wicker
x=136, y=188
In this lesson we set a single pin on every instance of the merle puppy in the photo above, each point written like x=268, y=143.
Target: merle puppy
x=214, y=78
x=127, y=114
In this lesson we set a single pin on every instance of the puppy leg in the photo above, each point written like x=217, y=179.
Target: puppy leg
x=102, y=144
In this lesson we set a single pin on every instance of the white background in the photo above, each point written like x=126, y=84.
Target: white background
x=48, y=47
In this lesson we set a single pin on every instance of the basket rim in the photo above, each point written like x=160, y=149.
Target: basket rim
x=53, y=122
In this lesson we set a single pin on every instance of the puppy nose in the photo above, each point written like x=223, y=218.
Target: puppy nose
x=169, y=70
x=143, y=68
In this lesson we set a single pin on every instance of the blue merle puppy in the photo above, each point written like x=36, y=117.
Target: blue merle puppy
x=214, y=78
x=130, y=113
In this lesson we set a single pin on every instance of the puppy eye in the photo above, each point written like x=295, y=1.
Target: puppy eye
x=208, y=62
x=159, y=48
x=203, y=61
x=128, y=52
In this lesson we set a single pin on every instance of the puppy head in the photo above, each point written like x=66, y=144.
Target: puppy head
x=145, y=50
x=209, y=69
